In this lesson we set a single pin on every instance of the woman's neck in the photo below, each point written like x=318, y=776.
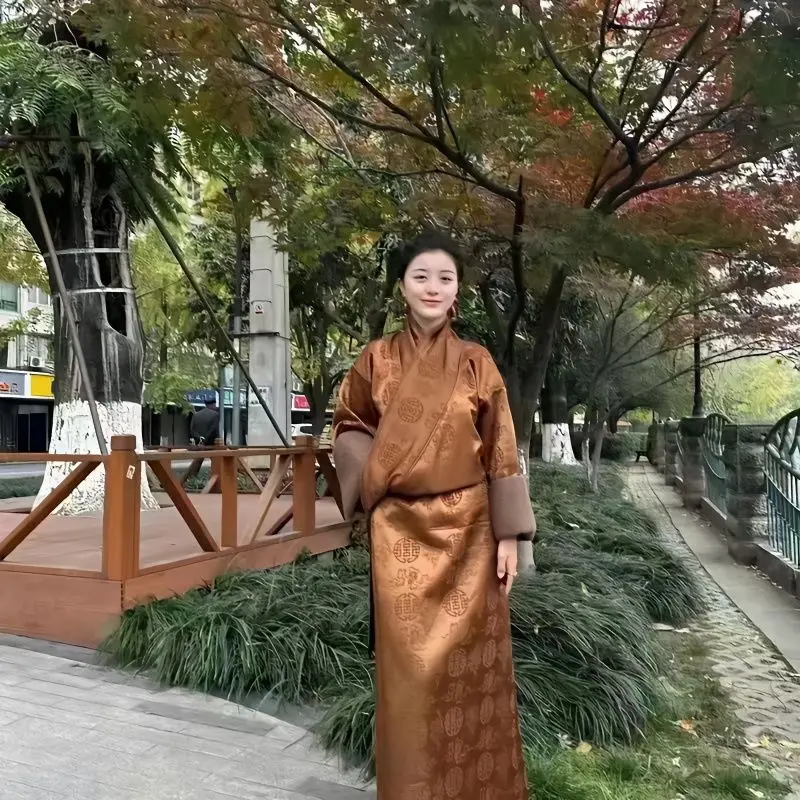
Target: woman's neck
x=425, y=329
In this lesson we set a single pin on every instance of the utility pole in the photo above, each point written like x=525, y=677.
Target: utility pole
x=236, y=410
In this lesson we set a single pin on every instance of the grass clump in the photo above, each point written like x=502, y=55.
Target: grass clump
x=588, y=665
x=19, y=487
x=690, y=750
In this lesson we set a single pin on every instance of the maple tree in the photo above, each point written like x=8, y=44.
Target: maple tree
x=543, y=135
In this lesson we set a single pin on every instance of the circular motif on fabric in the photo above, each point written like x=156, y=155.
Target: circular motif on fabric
x=406, y=607
x=447, y=435
x=491, y=625
x=406, y=550
x=485, y=767
x=429, y=369
x=421, y=793
x=389, y=391
x=454, y=781
x=410, y=410
x=384, y=351
x=487, y=709
x=487, y=793
x=489, y=682
x=452, y=499
x=453, y=721
x=389, y=455
x=455, y=603
x=418, y=662
x=489, y=653
x=454, y=542
x=491, y=601
x=457, y=663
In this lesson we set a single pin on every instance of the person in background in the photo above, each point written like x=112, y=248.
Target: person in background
x=424, y=443
x=204, y=428
x=203, y=432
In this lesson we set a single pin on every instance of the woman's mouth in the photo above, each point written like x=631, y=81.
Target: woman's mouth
x=431, y=302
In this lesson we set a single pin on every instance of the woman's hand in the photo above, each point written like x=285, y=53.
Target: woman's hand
x=507, y=563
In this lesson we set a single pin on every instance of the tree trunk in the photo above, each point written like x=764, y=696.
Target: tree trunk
x=597, y=452
x=523, y=411
x=89, y=226
x=556, y=440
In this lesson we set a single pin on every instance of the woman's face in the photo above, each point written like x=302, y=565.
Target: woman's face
x=430, y=286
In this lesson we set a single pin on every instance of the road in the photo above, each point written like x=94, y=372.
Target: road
x=35, y=469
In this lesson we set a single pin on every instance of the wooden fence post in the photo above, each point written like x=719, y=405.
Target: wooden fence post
x=228, y=472
x=304, y=487
x=121, y=514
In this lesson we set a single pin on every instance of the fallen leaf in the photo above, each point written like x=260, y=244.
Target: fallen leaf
x=583, y=748
x=676, y=762
x=584, y=589
x=686, y=725
x=661, y=626
x=755, y=792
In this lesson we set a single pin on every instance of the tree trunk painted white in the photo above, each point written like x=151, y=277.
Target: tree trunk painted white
x=73, y=432
x=525, y=560
x=557, y=445
x=89, y=224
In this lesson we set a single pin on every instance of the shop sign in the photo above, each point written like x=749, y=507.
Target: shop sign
x=12, y=383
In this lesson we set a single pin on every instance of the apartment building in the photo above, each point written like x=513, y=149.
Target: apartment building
x=26, y=368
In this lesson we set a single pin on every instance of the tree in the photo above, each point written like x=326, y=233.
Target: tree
x=65, y=111
x=174, y=362
x=534, y=125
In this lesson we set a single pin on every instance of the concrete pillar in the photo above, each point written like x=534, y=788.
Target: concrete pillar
x=746, y=486
x=694, y=480
x=670, y=451
x=270, y=351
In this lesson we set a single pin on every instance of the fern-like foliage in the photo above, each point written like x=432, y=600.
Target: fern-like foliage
x=62, y=98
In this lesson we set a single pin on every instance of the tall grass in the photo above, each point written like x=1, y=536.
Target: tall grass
x=587, y=664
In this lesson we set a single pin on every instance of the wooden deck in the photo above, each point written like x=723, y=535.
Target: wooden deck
x=76, y=543
x=68, y=578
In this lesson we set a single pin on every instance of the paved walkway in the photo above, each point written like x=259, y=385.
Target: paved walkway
x=69, y=729
x=752, y=627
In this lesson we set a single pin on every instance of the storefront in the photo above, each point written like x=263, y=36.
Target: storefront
x=26, y=411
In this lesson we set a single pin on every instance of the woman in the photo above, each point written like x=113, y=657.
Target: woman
x=425, y=442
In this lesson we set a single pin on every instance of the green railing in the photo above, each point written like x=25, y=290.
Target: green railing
x=713, y=463
x=782, y=471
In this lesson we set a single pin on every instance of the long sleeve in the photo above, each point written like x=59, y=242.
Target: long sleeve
x=509, y=499
x=355, y=422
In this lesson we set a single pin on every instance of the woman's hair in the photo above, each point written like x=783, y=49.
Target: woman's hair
x=426, y=242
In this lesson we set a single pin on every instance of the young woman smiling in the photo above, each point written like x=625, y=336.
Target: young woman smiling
x=424, y=442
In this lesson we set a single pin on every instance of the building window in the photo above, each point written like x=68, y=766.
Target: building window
x=8, y=297
x=32, y=347
x=39, y=297
x=4, y=354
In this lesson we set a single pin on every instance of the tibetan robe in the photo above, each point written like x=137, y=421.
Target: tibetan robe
x=424, y=442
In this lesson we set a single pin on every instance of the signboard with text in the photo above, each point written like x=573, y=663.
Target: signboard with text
x=12, y=383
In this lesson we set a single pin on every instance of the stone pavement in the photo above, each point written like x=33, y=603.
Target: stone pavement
x=71, y=729
x=752, y=627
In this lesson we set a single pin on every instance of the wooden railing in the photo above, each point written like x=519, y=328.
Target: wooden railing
x=296, y=467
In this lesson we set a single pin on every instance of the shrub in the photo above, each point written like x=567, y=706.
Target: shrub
x=587, y=663
x=19, y=487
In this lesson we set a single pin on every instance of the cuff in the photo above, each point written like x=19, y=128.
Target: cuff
x=510, y=509
x=350, y=453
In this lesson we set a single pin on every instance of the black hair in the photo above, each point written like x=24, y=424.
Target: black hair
x=426, y=242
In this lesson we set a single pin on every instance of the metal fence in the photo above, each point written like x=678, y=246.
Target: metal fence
x=782, y=470
x=679, y=456
x=713, y=463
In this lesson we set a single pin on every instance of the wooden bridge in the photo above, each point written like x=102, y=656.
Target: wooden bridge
x=68, y=578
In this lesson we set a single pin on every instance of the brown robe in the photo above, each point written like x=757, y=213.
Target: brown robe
x=424, y=434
